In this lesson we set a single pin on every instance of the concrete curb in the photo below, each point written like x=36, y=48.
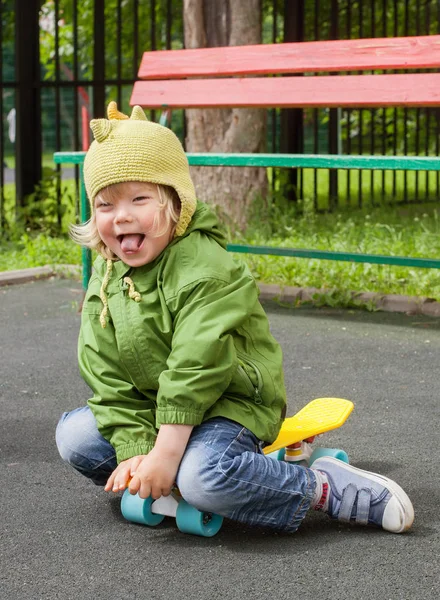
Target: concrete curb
x=287, y=295
x=35, y=273
x=386, y=302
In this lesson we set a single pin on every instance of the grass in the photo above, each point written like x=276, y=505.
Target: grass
x=36, y=251
x=399, y=231
x=26, y=249
x=402, y=230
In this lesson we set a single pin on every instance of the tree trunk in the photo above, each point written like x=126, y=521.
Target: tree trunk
x=231, y=189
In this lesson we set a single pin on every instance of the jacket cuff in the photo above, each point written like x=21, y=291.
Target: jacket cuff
x=127, y=451
x=171, y=416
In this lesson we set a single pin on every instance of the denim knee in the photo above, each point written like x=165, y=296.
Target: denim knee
x=202, y=478
x=201, y=491
x=201, y=484
x=71, y=436
x=81, y=445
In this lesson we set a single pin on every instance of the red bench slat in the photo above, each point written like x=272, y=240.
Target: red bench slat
x=338, y=55
x=417, y=89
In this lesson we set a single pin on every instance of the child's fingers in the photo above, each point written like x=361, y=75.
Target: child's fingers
x=121, y=476
x=110, y=480
x=145, y=489
x=157, y=491
x=136, y=461
x=118, y=479
x=121, y=480
x=134, y=485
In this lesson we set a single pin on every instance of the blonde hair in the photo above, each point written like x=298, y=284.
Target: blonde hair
x=168, y=215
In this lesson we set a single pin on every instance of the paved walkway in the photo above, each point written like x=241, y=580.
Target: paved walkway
x=63, y=538
x=9, y=174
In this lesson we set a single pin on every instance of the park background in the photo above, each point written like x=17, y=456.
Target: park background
x=63, y=60
x=63, y=538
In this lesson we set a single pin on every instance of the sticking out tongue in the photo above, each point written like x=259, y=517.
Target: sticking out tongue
x=131, y=242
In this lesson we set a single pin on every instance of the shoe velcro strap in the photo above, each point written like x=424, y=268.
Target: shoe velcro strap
x=347, y=503
x=363, y=506
x=351, y=496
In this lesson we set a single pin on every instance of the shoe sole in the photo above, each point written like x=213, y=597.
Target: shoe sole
x=394, y=488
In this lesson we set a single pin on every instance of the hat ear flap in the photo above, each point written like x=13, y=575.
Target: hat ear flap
x=137, y=114
x=101, y=129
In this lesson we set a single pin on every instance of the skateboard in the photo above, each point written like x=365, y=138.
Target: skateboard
x=293, y=444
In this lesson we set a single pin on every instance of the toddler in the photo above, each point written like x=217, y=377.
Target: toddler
x=186, y=377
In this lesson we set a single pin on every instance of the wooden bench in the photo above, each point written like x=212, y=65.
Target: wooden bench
x=217, y=81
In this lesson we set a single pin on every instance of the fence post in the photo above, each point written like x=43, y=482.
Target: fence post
x=334, y=116
x=28, y=113
x=292, y=126
x=99, y=60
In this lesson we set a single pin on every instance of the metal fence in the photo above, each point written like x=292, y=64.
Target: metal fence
x=62, y=60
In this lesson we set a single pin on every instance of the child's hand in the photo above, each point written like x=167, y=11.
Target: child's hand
x=120, y=477
x=155, y=475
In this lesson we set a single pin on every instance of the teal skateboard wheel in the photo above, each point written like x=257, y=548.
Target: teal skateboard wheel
x=138, y=510
x=334, y=452
x=277, y=455
x=191, y=520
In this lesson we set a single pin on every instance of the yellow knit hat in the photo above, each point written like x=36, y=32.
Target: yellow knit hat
x=136, y=149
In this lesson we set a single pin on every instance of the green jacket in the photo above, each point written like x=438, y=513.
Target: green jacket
x=196, y=346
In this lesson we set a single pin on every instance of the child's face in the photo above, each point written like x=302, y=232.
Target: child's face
x=125, y=223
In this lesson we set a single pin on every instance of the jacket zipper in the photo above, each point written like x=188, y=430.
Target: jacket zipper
x=254, y=390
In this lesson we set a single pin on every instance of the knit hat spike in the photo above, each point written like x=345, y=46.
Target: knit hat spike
x=137, y=114
x=113, y=112
x=133, y=148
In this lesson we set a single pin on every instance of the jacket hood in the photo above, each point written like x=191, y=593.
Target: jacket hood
x=206, y=221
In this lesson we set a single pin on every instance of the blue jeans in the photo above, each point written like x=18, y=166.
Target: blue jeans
x=222, y=471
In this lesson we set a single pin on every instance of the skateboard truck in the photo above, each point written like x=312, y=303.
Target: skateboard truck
x=300, y=452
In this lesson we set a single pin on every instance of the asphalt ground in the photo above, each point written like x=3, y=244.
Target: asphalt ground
x=63, y=538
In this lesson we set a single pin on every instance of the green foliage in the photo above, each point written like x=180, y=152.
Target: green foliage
x=38, y=250
x=43, y=210
x=405, y=230
x=400, y=231
x=369, y=19
x=337, y=298
x=120, y=31
x=50, y=208
x=40, y=209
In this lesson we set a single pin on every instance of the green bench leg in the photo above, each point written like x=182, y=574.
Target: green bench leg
x=85, y=216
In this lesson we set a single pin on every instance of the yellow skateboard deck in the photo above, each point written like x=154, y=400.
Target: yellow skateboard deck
x=318, y=416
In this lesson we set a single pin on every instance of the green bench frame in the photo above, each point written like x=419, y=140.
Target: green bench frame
x=163, y=86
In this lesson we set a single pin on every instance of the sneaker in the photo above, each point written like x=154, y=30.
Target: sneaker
x=364, y=498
